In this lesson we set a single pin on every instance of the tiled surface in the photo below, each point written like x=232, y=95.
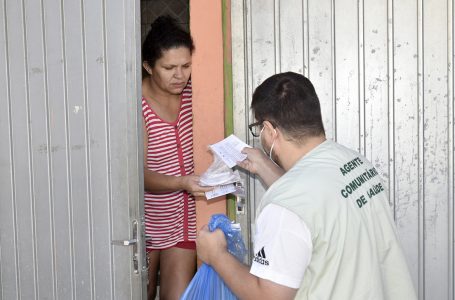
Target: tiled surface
x=151, y=9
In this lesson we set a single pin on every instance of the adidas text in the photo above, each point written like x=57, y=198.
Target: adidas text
x=262, y=261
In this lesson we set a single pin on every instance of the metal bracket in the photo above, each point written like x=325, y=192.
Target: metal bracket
x=239, y=205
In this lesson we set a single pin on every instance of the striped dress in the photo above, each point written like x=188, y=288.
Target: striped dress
x=170, y=218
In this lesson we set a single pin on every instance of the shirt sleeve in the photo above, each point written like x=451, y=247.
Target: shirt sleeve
x=282, y=246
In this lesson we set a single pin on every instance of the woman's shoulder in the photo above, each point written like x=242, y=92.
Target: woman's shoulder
x=187, y=93
x=187, y=90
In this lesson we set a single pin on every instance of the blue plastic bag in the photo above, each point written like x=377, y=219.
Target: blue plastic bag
x=207, y=284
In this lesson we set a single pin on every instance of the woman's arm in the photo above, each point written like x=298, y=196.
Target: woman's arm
x=159, y=183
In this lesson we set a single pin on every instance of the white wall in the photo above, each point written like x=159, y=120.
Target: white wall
x=383, y=72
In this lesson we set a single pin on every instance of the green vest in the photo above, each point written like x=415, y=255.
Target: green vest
x=341, y=198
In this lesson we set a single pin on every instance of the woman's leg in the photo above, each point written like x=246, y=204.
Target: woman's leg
x=153, y=264
x=177, y=268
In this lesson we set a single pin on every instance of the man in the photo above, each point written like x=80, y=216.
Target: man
x=324, y=228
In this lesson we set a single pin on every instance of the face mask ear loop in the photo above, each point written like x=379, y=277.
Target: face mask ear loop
x=261, y=132
x=271, y=148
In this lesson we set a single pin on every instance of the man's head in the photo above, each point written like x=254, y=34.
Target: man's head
x=289, y=102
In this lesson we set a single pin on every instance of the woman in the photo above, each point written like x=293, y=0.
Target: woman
x=170, y=185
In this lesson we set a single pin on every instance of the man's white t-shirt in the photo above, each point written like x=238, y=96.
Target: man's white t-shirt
x=282, y=246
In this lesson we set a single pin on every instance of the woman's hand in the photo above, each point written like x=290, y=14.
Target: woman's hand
x=190, y=183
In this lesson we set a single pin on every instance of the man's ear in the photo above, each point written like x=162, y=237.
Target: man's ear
x=147, y=67
x=270, y=128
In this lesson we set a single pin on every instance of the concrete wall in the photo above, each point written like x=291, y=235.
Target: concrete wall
x=208, y=97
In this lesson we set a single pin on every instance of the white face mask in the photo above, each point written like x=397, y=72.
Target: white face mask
x=271, y=148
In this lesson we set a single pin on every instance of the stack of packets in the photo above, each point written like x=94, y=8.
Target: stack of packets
x=220, y=175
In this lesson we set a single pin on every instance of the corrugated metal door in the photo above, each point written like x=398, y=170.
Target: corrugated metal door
x=69, y=157
x=383, y=72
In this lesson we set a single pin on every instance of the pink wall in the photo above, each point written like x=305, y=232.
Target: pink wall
x=208, y=103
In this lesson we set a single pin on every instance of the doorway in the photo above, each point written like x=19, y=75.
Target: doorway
x=150, y=11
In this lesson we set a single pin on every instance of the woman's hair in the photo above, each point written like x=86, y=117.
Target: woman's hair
x=289, y=101
x=165, y=34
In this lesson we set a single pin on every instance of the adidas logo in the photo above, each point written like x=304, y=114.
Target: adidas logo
x=260, y=257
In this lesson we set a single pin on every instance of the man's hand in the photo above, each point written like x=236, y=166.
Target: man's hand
x=210, y=245
x=255, y=160
x=260, y=164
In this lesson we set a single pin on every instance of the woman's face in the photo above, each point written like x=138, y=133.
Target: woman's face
x=172, y=71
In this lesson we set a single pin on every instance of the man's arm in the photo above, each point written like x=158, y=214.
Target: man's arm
x=258, y=163
x=211, y=248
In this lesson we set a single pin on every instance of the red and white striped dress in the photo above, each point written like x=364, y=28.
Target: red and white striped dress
x=170, y=218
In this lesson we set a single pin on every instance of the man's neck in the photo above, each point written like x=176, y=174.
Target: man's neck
x=293, y=152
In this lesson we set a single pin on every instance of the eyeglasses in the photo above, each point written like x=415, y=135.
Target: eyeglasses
x=255, y=128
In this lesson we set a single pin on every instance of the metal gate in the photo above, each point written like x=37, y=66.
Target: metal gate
x=70, y=163
x=384, y=73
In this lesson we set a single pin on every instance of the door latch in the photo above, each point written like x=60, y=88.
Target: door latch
x=132, y=242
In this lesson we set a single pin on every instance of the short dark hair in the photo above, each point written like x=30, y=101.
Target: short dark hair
x=289, y=101
x=165, y=34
